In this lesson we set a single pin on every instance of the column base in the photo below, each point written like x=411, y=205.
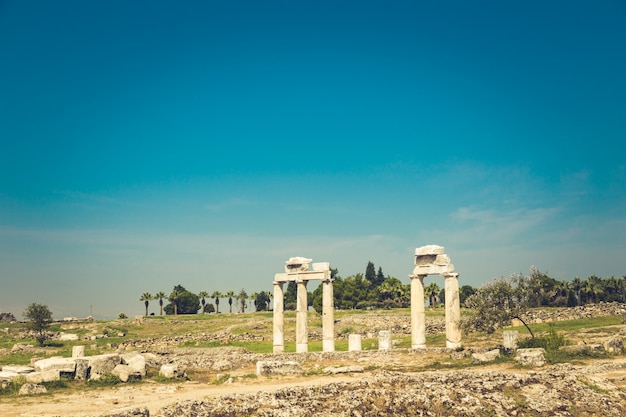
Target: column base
x=419, y=346
x=328, y=345
x=302, y=347
x=279, y=348
x=453, y=345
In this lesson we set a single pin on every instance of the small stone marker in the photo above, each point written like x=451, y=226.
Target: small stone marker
x=384, y=340
x=354, y=343
x=509, y=339
x=78, y=352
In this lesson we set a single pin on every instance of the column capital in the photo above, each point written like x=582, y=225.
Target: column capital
x=420, y=277
x=452, y=275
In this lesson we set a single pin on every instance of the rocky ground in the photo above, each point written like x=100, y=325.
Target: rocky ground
x=400, y=382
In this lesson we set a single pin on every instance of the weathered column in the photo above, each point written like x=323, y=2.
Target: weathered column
x=453, y=311
x=328, y=317
x=418, y=315
x=302, y=343
x=279, y=329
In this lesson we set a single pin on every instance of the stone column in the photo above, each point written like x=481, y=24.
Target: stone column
x=418, y=316
x=279, y=329
x=384, y=340
x=302, y=343
x=328, y=317
x=453, y=312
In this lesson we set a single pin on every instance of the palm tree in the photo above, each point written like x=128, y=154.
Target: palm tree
x=242, y=297
x=203, y=295
x=160, y=296
x=230, y=294
x=217, y=295
x=173, y=297
x=432, y=290
x=146, y=297
x=578, y=285
x=254, y=297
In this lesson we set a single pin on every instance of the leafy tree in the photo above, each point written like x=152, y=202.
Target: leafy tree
x=146, y=297
x=182, y=302
x=217, y=295
x=39, y=317
x=203, y=295
x=495, y=303
x=262, y=301
x=291, y=296
x=464, y=292
x=160, y=296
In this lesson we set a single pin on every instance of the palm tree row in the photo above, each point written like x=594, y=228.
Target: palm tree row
x=174, y=296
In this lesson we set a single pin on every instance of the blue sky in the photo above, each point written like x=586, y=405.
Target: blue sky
x=146, y=144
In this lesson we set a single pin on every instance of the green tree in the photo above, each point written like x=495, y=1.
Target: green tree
x=160, y=296
x=262, y=300
x=203, y=295
x=39, y=317
x=380, y=277
x=182, y=302
x=495, y=303
x=291, y=295
x=464, y=292
x=217, y=295
x=230, y=294
x=146, y=297
x=370, y=273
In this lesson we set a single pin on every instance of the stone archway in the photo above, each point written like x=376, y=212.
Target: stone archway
x=297, y=270
x=431, y=260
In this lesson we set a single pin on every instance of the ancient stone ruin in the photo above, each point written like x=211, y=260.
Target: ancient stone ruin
x=431, y=260
x=297, y=270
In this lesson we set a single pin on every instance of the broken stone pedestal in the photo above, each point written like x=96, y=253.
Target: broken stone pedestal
x=509, y=339
x=384, y=340
x=354, y=343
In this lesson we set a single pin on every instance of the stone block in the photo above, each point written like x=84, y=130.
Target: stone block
x=103, y=364
x=533, y=357
x=172, y=370
x=297, y=264
x=136, y=363
x=78, y=351
x=344, y=369
x=6, y=376
x=43, y=376
x=56, y=363
x=123, y=372
x=321, y=266
x=18, y=369
x=489, y=356
x=429, y=250
x=384, y=340
x=614, y=345
x=278, y=368
x=68, y=336
x=32, y=389
x=354, y=342
x=509, y=339
x=82, y=368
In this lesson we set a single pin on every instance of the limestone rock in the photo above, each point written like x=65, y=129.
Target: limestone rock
x=614, y=345
x=533, y=357
x=56, y=363
x=135, y=362
x=43, y=376
x=489, y=356
x=344, y=369
x=32, y=389
x=278, y=368
x=103, y=364
x=18, y=369
x=122, y=372
x=172, y=370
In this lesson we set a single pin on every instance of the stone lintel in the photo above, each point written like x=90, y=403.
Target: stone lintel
x=433, y=269
x=430, y=250
x=303, y=276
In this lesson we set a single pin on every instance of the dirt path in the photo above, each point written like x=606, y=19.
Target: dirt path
x=151, y=395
